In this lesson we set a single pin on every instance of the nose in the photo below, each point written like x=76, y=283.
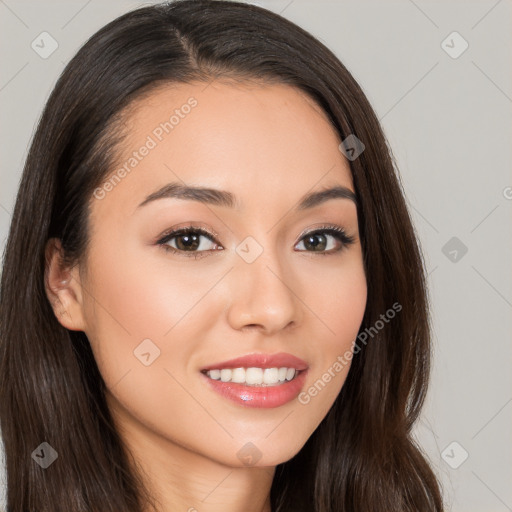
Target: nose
x=264, y=295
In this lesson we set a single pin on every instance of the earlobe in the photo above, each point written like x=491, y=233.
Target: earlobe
x=63, y=288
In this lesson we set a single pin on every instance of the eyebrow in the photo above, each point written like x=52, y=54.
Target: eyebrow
x=224, y=198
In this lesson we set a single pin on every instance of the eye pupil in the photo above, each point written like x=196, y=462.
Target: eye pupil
x=318, y=246
x=189, y=241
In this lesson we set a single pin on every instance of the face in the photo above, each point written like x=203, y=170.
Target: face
x=258, y=274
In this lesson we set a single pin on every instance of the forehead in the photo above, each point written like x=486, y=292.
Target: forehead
x=256, y=140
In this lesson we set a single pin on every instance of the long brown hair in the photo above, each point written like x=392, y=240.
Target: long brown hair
x=362, y=456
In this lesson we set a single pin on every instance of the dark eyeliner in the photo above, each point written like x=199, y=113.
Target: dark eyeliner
x=183, y=231
x=335, y=231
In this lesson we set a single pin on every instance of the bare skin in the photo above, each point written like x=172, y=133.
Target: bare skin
x=269, y=145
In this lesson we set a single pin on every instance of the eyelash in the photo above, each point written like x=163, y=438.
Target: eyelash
x=335, y=231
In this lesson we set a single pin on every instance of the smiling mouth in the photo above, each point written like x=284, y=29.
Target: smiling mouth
x=253, y=376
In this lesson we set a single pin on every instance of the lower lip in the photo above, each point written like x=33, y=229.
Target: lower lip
x=259, y=396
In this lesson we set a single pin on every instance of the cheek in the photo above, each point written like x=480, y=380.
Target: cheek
x=134, y=297
x=339, y=302
x=145, y=314
x=145, y=293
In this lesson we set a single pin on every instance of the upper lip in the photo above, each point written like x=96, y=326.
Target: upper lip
x=279, y=360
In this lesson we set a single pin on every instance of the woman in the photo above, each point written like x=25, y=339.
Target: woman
x=212, y=293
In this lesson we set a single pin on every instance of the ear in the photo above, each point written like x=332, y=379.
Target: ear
x=63, y=288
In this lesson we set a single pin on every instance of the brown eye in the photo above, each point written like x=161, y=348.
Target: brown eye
x=320, y=240
x=316, y=242
x=191, y=240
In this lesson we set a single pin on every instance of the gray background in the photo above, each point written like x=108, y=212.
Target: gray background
x=448, y=121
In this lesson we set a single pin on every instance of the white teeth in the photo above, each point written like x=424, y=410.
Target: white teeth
x=290, y=374
x=225, y=375
x=215, y=374
x=238, y=375
x=254, y=376
x=271, y=375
